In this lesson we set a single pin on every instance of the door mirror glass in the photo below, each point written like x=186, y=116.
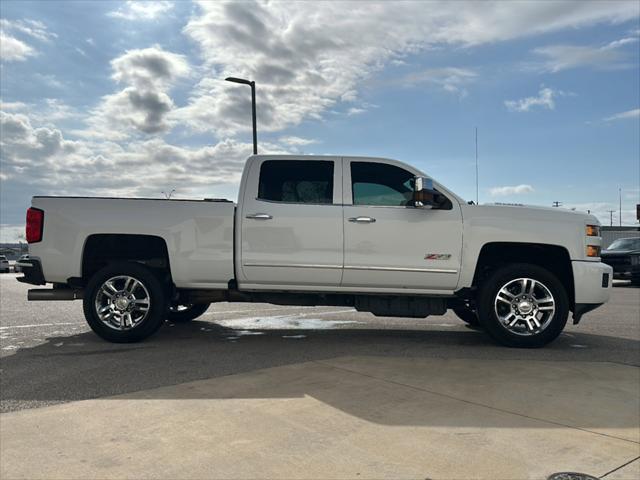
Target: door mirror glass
x=423, y=192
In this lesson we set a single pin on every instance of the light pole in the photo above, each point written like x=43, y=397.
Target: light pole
x=252, y=84
x=620, y=206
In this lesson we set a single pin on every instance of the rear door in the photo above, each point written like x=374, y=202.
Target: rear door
x=291, y=223
x=389, y=243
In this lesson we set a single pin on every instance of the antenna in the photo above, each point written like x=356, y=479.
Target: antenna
x=477, y=196
x=611, y=217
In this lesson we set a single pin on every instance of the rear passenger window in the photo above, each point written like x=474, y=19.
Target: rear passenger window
x=294, y=181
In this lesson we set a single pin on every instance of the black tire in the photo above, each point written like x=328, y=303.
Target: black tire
x=187, y=313
x=148, y=325
x=467, y=315
x=555, y=323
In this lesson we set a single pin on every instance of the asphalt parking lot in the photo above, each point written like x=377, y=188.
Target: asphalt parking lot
x=263, y=391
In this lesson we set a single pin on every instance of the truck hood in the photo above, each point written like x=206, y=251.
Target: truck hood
x=519, y=211
x=606, y=253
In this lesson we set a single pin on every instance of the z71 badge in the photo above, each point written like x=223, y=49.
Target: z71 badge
x=437, y=256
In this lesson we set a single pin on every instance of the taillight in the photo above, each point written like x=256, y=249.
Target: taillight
x=35, y=224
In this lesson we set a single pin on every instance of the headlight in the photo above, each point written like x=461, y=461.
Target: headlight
x=593, y=230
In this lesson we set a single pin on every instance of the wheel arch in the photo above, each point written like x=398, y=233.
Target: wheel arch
x=553, y=258
x=101, y=249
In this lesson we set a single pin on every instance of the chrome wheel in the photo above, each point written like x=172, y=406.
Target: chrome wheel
x=122, y=302
x=524, y=306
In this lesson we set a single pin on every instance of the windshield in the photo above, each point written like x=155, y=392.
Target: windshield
x=625, y=244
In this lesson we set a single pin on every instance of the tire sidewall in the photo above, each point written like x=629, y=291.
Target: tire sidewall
x=157, y=311
x=492, y=324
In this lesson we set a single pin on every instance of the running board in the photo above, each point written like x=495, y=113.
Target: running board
x=46, y=294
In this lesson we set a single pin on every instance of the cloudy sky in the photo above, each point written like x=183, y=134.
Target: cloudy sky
x=127, y=98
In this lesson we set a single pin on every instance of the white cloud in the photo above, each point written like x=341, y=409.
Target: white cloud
x=45, y=112
x=50, y=162
x=451, y=79
x=144, y=105
x=564, y=57
x=11, y=233
x=545, y=99
x=629, y=114
x=6, y=106
x=142, y=10
x=306, y=56
x=49, y=80
x=14, y=50
x=149, y=68
x=296, y=141
x=32, y=28
x=510, y=190
x=355, y=111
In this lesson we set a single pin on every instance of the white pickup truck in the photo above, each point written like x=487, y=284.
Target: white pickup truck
x=371, y=233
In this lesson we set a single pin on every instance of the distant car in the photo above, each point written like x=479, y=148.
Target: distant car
x=624, y=256
x=16, y=267
x=4, y=264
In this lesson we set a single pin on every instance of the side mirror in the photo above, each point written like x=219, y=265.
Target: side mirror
x=423, y=192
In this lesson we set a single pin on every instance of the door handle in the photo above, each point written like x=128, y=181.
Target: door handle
x=362, y=219
x=259, y=216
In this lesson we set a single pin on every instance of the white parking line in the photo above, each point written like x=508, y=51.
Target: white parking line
x=41, y=325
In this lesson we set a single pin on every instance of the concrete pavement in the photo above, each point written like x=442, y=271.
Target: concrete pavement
x=347, y=417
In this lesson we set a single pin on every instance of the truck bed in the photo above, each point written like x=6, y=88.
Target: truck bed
x=198, y=234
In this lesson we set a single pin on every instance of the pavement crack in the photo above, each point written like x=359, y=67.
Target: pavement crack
x=621, y=466
x=478, y=404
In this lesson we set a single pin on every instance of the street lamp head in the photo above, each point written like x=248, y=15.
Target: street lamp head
x=238, y=80
x=252, y=84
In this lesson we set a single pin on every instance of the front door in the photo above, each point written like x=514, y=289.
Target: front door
x=291, y=231
x=389, y=243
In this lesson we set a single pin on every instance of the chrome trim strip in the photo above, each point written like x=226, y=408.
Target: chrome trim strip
x=352, y=267
x=395, y=269
x=291, y=265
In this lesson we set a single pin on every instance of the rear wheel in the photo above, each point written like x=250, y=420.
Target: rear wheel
x=523, y=305
x=124, y=302
x=186, y=313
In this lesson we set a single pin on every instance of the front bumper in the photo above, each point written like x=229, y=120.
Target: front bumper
x=32, y=270
x=592, y=282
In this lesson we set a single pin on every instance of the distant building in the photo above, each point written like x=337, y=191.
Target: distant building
x=609, y=234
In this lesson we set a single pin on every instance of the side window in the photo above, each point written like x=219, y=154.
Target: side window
x=380, y=184
x=294, y=181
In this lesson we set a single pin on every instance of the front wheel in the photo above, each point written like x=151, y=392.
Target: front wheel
x=523, y=305
x=124, y=302
x=186, y=313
